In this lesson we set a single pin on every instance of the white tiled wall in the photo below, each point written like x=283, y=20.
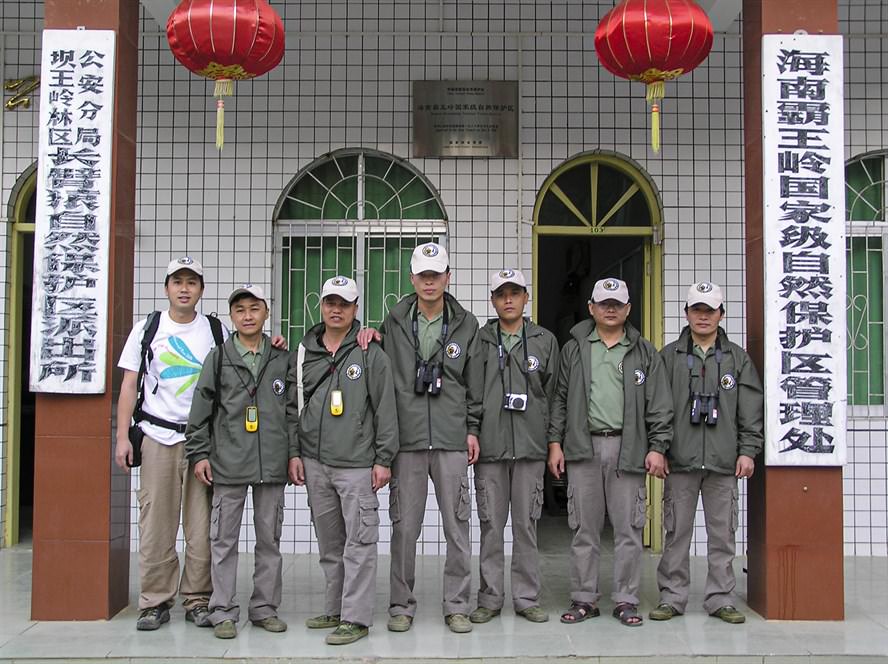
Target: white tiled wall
x=345, y=82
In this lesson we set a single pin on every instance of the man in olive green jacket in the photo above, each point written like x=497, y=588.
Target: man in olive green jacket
x=612, y=422
x=433, y=346
x=241, y=434
x=348, y=439
x=719, y=411
x=520, y=362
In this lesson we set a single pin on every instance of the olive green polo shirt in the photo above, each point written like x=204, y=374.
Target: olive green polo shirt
x=606, y=388
x=429, y=332
x=251, y=359
x=510, y=341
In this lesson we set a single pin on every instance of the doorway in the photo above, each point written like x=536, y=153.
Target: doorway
x=598, y=215
x=18, y=519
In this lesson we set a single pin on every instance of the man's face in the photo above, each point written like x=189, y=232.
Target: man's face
x=430, y=286
x=609, y=315
x=509, y=301
x=248, y=314
x=337, y=313
x=703, y=319
x=183, y=289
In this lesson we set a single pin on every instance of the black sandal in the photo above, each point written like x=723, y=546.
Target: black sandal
x=627, y=614
x=578, y=612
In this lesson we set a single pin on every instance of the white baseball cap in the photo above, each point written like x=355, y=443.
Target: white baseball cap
x=341, y=286
x=429, y=257
x=248, y=289
x=184, y=263
x=507, y=276
x=610, y=289
x=705, y=292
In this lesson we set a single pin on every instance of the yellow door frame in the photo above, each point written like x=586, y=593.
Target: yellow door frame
x=21, y=196
x=591, y=225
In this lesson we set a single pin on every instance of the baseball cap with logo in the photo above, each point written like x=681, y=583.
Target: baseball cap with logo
x=705, y=292
x=504, y=277
x=184, y=263
x=429, y=257
x=247, y=289
x=341, y=286
x=610, y=289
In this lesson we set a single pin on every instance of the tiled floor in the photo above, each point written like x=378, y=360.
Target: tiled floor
x=693, y=637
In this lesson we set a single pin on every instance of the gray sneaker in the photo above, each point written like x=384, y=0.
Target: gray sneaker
x=153, y=618
x=225, y=630
x=347, y=632
x=271, y=624
x=482, y=614
x=199, y=615
x=458, y=623
x=399, y=623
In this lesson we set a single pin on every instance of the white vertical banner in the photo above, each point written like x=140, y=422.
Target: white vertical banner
x=73, y=216
x=804, y=243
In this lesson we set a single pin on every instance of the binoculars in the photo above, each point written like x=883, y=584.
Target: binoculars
x=429, y=378
x=704, y=408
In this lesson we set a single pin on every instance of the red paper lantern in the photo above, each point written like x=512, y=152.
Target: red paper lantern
x=226, y=41
x=653, y=41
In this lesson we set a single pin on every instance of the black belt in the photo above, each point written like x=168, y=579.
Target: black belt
x=148, y=417
x=612, y=433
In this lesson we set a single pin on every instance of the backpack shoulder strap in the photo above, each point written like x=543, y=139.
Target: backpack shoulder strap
x=216, y=328
x=300, y=384
x=150, y=330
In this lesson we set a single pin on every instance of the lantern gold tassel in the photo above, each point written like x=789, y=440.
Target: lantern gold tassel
x=655, y=92
x=224, y=88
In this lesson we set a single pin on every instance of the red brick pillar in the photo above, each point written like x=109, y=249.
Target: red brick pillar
x=81, y=500
x=795, y=513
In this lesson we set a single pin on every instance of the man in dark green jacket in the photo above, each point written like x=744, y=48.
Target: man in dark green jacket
x=433, y=346
x=611, y=422
x=718, y=432
x=520, y=362
x=241, y=433
x=348, y=439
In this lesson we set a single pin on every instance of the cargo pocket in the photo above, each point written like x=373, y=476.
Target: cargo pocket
x=368, y=528
x=215, y=516
x=572, y=521
x=279, y=522
x=464, y=505
x=482, y=499
x=640, y=513
x=669, y=514
x=394, y=501
x=536, y=501
x=735, y=510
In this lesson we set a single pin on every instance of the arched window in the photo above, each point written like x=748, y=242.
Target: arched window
x=358, y=213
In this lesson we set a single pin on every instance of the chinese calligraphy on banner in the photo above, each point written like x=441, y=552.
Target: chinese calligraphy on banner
x=804, y=242
x=70, y=305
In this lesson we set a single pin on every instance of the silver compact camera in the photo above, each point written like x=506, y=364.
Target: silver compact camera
x=513, y=401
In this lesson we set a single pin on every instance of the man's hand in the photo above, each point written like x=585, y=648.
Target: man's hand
x=296, y=471
x=474, y=448
x=655, y=463
x=745, y=466
x=279, y=342
x=381, y=476
x=556, y=460
x=123, y=453
x=203, y=472
x=366, y=335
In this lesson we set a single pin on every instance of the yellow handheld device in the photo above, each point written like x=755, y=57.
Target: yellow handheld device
x=251, y=420
x=336, y=405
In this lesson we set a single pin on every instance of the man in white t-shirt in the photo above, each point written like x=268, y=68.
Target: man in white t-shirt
x=182, y=341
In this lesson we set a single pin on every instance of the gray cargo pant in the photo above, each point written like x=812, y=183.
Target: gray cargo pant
x=225, y=524
x=345, y=512
x=497, y=486
x=720, y=510
x=593, y=488
x=407, y=500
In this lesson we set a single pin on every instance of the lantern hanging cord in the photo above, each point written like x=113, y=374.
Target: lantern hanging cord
x=655, y=93
x=224, y=88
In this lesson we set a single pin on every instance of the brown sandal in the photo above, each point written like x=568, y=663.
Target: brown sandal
x=578, y=612
x=627, y=614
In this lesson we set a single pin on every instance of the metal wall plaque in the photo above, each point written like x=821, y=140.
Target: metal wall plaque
x=465, y=118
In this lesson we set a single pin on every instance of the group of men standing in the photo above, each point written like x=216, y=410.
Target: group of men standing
x=427, y=395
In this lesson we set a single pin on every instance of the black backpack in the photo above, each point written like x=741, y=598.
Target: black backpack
x=151, y=325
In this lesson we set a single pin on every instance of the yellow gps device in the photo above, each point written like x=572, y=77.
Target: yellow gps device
x=251, y=420
x=336, y=405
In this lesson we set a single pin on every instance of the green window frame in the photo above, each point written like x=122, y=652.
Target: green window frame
x=866, y=247
x=357, y=213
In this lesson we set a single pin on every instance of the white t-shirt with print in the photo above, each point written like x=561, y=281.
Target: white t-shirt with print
x=178, y=354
